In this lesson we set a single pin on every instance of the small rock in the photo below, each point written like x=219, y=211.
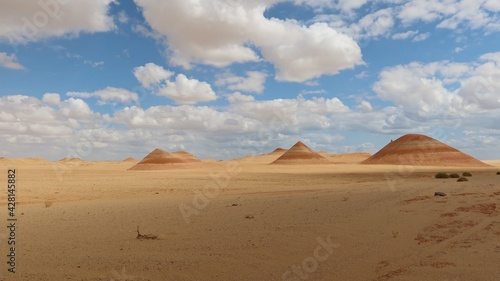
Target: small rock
x=438, y=193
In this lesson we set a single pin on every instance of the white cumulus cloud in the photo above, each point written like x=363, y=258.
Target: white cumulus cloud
x=10, y=61
x=224, y=32
x=253, y=83
x=182, y=90
x=452, y=14
x=108, y=95
x=27, y=21
x=294, y=115
x=302, y=53
x=376, y=24
x=365, y=106
x=239, y=97
x=421, y=37
x=151, y=74
x=75, y=109
x=51, y=98
x=187, y=91
x=444, y=89
x=404, y=35
x=344, y=5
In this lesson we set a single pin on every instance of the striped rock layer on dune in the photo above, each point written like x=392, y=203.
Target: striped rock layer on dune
x=278, y=151
x=420, y=150
x=185, y=156
x=160, y=159
x=300, y=154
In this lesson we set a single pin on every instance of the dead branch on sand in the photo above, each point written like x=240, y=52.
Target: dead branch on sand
x=145, y=236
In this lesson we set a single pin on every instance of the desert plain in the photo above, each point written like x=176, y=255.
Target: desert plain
x=247, y=219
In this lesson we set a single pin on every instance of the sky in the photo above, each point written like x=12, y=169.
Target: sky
x=111, y=79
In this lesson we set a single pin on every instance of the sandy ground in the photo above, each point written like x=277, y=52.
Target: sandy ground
x=251, y=221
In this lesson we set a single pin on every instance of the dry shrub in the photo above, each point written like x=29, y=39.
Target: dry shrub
x=441, y=175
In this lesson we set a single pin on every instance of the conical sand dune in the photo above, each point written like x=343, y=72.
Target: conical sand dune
x=160, y=156
x=278, y=151
x=185, y=156
x=420, y=150
x=160, y=159
x=301, y=154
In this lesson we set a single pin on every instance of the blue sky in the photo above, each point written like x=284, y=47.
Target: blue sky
x=106, y=79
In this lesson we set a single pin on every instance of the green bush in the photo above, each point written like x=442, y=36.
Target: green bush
x=454, y=176
x=467, y=174
x=442, y=176
x=462, y=179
